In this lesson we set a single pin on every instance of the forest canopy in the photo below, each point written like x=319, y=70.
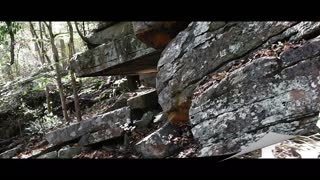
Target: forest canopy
x=21, y=44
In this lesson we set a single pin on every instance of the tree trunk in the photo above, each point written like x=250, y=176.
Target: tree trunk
x=17, y=66
x=42, y=44
x=9, y=25
x=73, y=78
x=39, y=52
x=58, y=71
x=63, y=54
x=83, y=28
x=42, y=54
x=48, y=99
x=36, y=43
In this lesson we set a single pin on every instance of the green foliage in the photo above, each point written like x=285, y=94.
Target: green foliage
x=26, y=56
x=4, y=31
x=43, y=124
x=42, y=83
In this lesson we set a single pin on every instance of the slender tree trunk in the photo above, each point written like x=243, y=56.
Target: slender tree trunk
x=73, y=78
x=63, y=54
x=48, y=99
x=17, y=66
x=36, y=43
x=9, y=25
x=41, y=53
x=83, y=28
x=45, y=32
x=41, y=44
x=58, y=70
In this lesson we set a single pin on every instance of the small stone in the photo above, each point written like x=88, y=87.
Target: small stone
x=50, y=155
x=68, y=152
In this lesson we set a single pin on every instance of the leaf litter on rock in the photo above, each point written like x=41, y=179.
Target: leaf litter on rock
x=274, y=50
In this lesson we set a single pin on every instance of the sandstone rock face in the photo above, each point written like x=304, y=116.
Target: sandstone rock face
x=105, y=121
x=108, y=31
x=278, y=92
x=124, y=56
x=158, y=34
x=101, y=135
x=200, y=50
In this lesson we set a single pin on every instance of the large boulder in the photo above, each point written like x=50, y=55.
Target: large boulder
x=213, y=70
x=200, y=50
x=104, y=121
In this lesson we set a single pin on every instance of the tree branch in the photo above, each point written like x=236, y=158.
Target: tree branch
x=85, y=39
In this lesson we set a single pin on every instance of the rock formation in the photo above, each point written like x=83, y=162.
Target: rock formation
x=236, y=81
x=219, y=85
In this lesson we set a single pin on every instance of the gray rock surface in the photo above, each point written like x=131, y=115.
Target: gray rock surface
x=145, y=99
x=101, y=135
x=68, y=152
x=11, y=153
x=161, y=117
x=104, y=121
x=273, y=93
x=110, y=31
x=50, y=155
x=159, y=143
x=119, y=103
x=200, y=50
x=124, y=56
x=145, y=121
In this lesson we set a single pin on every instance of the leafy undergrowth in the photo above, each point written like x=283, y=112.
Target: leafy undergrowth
x=103, y=97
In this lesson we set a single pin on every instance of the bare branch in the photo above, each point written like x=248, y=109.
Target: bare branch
x=85, y=39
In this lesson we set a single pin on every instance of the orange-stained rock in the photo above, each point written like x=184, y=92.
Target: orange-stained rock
x=158, y=34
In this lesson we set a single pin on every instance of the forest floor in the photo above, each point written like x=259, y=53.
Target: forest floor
x=98, y=99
